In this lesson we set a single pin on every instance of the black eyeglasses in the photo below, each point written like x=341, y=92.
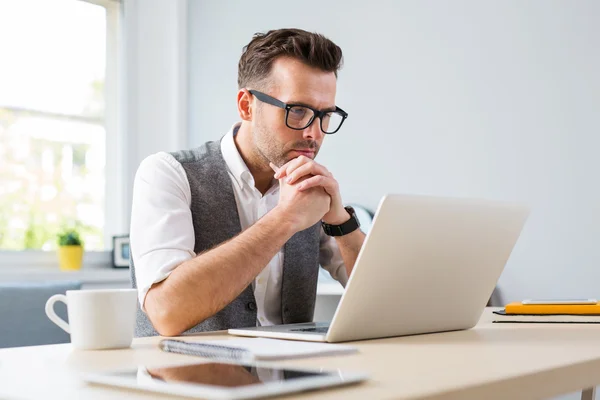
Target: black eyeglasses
x=299, y=116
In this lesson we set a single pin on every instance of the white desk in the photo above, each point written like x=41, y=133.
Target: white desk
x=491, y=361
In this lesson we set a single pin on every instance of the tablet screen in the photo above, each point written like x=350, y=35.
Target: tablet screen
x=218, y=374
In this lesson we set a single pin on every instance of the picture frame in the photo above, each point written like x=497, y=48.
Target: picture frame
x=121, y=251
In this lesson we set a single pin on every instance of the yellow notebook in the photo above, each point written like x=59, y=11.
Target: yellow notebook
x=552, y=309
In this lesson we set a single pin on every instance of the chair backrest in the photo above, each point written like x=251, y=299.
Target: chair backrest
x=23, y=320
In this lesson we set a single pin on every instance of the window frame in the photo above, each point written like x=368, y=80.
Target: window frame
x=115, y=208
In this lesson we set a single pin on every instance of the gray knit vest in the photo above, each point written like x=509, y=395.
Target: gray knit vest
x=215, y=219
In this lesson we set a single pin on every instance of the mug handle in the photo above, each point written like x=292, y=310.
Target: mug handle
x=52, y=314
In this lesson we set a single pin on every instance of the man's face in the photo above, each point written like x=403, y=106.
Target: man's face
x=292, y=82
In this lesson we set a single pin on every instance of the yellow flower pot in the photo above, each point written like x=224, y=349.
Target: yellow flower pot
x=70, y=257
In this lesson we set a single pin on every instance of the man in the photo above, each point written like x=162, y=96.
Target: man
x=231, y=234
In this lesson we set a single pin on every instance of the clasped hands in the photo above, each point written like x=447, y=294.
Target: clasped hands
x=303, y=174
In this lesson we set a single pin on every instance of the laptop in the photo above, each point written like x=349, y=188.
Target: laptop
x=428, y=264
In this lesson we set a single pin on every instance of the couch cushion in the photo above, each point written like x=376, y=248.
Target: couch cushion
x=23, y=320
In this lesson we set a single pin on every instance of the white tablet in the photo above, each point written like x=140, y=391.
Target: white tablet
x=223, y=380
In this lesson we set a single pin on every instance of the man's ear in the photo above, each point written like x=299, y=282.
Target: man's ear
x=245, y=105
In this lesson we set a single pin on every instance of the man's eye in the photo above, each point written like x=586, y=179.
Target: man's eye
x=298, y=112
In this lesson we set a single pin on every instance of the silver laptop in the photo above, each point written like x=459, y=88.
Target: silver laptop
x=428, y=264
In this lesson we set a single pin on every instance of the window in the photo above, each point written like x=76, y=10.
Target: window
x=57, y=107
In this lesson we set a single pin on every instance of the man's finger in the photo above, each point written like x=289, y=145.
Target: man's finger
x=330, y=185
x=318, y=180
x=291, y=165
x=274, y=168
x=307, y=169
x=280, y=170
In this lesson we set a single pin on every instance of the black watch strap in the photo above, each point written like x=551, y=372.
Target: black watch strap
x=343, y=229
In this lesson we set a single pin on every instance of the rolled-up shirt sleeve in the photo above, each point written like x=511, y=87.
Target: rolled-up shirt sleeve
x=161, y=231
x=331, y=259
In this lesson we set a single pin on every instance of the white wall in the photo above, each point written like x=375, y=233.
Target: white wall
x=466, y=98
x=154, y=90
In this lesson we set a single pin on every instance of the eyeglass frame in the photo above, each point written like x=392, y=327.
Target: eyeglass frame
x=265, y=98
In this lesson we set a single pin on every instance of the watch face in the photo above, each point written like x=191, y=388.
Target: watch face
x=353, y=214
x=364, y=217
x=343, y=229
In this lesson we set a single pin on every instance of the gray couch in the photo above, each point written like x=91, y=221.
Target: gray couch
x=23, y=320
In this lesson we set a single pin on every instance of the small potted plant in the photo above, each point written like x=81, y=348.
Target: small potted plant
x=70, y=250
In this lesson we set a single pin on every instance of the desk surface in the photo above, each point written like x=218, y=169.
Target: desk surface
x=490, y=361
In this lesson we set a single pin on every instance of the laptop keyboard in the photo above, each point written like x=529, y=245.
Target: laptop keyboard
x=322, y=329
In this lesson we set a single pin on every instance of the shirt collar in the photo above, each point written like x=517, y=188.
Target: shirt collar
x=234, y=161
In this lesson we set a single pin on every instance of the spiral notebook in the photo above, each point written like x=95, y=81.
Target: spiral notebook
x=245, y=349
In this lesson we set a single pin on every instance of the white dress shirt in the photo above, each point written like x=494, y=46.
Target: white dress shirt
x=162, y=233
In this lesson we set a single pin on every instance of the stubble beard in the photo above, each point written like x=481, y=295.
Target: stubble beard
x=269, y=150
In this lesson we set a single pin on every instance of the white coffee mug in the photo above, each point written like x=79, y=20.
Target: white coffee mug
x=98, y=319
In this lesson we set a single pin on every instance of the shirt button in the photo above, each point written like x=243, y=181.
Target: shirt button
x=260, y=281
x=251, y=306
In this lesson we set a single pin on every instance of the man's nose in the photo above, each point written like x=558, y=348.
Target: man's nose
x=314, y=130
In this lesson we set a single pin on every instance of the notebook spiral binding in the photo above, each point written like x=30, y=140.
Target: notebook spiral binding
x=205, y=350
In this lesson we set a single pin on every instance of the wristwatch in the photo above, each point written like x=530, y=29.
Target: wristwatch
x=347, y=227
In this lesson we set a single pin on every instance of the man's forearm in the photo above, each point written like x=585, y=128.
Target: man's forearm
x=199, y=288
x=350, y=246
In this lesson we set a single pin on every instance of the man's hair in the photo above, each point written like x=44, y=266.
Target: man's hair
x=313, y=49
